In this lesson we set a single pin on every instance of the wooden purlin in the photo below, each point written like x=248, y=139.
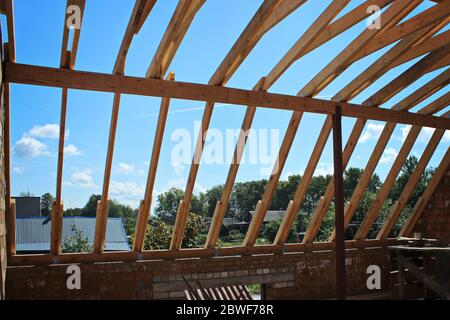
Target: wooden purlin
x=317, y=27
x=52, y=77
x=398, y=207
x=119, y=69
x=376, y=156
x=392, y=15
x=424, y=200
x=145, y=205
x=380, y=97
x=240, y=50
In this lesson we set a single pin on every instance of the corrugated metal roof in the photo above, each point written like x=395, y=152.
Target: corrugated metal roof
x=272, y=215
x=33, y=234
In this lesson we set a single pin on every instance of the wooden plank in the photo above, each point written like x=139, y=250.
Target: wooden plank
x=137, y=17
x=279, y=13
x=339, y=205
x=421, y=20
x=299, y=48
x=412, y=182
x=56, y=216
x=46, y=259
x=222, y=204
x=351, y=90
x=44, y=76
x=102, y=211
x=383, y=193
x=424, y=48
x=429, y=282
x=390, y=17
x=10, y=218
x=347, y=21
x=147, y=7
x=11, y=228
x=234, y=58
x=440, y=172
x=336, y=67
x=179, y=24
x=375, y=157
x=9, y=5
x=144, y=208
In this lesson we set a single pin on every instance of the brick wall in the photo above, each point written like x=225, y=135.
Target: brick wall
x=288, y=276
x=435, y=220
x=2, y=190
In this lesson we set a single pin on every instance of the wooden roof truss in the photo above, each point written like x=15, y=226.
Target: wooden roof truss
x=420, y=36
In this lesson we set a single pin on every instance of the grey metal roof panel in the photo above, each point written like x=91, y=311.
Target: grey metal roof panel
x=33, y=234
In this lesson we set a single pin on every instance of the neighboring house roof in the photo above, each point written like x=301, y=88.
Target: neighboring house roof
x=272, y=215
x=33, y=234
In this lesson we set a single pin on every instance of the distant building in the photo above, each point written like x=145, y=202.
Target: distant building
x=28, y=207
x=33, y=233
x=271, y=215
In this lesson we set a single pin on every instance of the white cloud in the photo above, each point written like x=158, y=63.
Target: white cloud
x=405, y=131
x=19, y=170
x=72, y=150
x=48, y=131
x=324, y=169
x=125, y=168
x=388, y=156
x=30, y=148
x=373, y=131
x=127, y=189
x=425, y=134
x=178, y=167
x=82, y=178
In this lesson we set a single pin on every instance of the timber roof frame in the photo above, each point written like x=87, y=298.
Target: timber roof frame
x=418, y=36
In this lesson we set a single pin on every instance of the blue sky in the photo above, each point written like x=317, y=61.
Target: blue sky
x=35, y=110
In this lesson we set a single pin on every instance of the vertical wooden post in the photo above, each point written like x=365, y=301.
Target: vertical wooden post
x=339, y=203
x=56, y=228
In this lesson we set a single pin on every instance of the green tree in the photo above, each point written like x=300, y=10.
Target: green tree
x=195, y=232
x=245, y=197
x=168, y=202
x=90, y=209
x=76, y=242
x=46, y=204
x=158, y=235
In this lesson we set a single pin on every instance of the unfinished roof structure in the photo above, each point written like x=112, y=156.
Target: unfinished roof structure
x=422, y=35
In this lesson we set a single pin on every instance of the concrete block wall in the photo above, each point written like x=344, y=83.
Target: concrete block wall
x=435, y=220
x=287, y=276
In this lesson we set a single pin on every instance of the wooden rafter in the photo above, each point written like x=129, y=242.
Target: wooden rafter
x=423, y=201
x=137, y=17
x=433, y=15
x=383, y=193
x=339, y=61
x=178, y=26
x=380, y=97
x=145, y=205
x=310, y=35
x=375, y=157
x=396, y=12
x=68, y=59
x=240, y=50
x=398, y=207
